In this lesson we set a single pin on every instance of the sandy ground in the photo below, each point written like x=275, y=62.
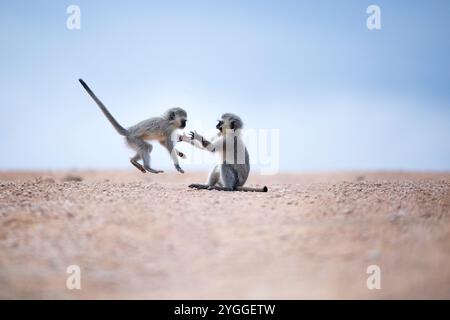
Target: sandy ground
x=149, y=236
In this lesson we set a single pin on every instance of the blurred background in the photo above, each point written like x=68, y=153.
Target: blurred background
x=342, y=97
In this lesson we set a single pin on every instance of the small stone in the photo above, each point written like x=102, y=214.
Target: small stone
x=347, y=211
x=74, y=178
x=373, y=254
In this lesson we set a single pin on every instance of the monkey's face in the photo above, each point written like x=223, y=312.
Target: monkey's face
x=177, y=117
x=181, y=122
x=229, y=121
x=219, y=125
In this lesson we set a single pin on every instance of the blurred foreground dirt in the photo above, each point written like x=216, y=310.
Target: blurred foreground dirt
x=149, y=236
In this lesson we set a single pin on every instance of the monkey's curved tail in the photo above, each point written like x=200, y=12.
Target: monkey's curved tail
x=121, y=130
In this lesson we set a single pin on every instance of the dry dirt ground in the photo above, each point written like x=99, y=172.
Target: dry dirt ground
x=149, y=236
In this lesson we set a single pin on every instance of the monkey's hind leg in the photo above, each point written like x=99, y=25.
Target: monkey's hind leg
x=147, y=148
x=143, y=150
x=134, y=162
x=228, y=177
x=214, y=176
x=138, y=165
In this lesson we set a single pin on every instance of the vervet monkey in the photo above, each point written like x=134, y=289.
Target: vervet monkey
x=234, y=167
x=157, y=128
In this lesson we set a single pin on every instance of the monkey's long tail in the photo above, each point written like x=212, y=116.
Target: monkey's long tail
x=242, y=189
x=249, y=189
x=121, y=130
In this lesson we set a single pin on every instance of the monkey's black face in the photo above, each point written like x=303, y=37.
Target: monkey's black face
x=183, y=123
x=219, y=125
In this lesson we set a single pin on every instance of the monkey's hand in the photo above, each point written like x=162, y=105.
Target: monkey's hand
x=184, y=138
x=196, y=136
x=177, y=166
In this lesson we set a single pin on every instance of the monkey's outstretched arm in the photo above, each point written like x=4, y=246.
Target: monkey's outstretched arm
x=169, y=144
x=210, y=146
x=243, y=189
x=199, y=142
x=187, y=139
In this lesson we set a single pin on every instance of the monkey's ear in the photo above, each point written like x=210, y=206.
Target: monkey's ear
x=232, y=125
x=172, y=115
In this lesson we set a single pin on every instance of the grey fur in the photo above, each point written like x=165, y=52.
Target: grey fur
x=157, y=128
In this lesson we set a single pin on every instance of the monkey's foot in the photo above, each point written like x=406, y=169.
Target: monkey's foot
x=153, y=170
x=177, y=166
x=198, y=186
x=138, y=165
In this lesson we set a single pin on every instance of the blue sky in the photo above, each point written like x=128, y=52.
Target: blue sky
x=343, y=97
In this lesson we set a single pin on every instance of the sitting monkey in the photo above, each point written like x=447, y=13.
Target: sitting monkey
x=234, y=167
